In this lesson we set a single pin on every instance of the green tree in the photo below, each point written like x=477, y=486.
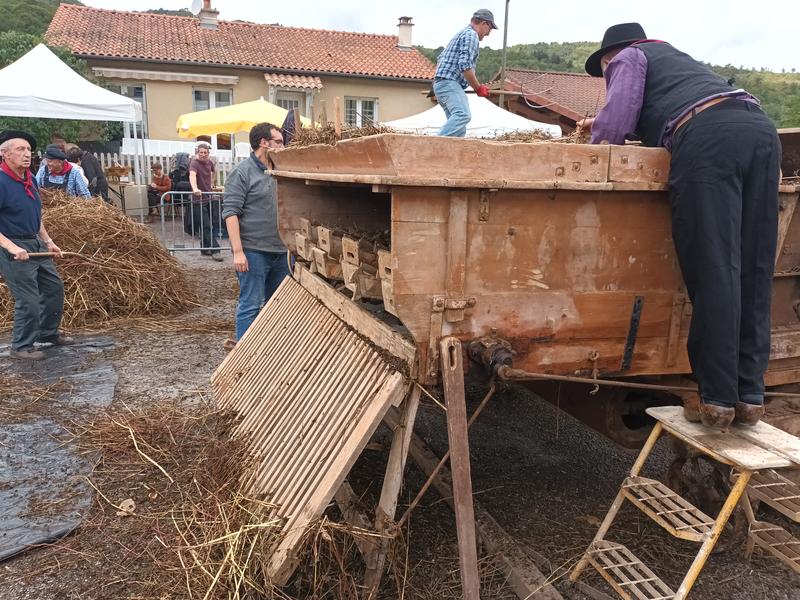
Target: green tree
x=30, y=16
x=182, y=12
x=779, y=93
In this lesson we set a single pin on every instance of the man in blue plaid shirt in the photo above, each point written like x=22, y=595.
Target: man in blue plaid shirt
x=456, y=69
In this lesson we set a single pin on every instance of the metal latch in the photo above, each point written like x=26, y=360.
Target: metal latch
x=441, y=303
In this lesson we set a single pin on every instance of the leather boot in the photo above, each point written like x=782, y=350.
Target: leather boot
x=27, y=354
x=716, y=417
x=749, y=414
x=691, y=407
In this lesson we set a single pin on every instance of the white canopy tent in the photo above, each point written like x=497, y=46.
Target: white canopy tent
x=488, y=120
x=40, y=85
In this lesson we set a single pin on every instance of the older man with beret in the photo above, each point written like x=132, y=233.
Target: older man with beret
x=59, y=174
x=723, y=187
x=34, y=282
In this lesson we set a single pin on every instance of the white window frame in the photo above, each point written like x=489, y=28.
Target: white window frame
x=301, y=96
x=123, y=87
x=305, y=107
x=359, y=110
x=212, y=103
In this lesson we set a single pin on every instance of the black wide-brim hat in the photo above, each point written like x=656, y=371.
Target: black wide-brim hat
x=616, y=36
x=13, y=134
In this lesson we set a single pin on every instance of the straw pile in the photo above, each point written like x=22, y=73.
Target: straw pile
x=326, y=134
x=123, y=270
x=576, y=137
x=308, y=136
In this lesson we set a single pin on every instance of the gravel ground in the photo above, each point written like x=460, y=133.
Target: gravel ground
x=545, y=478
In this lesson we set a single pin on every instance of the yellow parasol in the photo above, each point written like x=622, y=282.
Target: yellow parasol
x=232, y=119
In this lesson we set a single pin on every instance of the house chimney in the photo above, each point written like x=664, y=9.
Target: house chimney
x=404, y=32
x=208, y=16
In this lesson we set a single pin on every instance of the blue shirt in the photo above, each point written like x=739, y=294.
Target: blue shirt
x=20, y=215
x=76, y=186
x=460, y=55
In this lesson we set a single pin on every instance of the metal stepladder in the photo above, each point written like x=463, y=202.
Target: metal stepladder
x=752, y=452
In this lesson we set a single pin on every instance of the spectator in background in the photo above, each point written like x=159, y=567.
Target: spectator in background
x=96, y=178
x=205, y=210
x=64, y=147
x=159, y=186
x=57, y=173
x=250, y=209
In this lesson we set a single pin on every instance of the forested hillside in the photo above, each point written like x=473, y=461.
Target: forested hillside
x=778, y=92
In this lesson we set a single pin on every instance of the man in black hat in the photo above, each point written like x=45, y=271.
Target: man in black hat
x=34, y=282
x=455, y=69
x=723, y=187
x=60, y=174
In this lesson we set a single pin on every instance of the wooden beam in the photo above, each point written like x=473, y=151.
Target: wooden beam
x=337, y=116
x=297, y=122
x=453, y=384
x=478, y=182
x=456, y=273
x=348, y=505
x=522, y=573
x=392, y=483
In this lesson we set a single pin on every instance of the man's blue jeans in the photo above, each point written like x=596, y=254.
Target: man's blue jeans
x=453, y=100
x=256, y=286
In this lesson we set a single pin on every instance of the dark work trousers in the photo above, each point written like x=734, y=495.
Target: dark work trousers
x=723, y=187
x=38, y=295
x=204, y=219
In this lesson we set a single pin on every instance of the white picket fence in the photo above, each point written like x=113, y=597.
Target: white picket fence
x=222, y=166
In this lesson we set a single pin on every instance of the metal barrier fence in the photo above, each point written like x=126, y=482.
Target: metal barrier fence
x=192, y=223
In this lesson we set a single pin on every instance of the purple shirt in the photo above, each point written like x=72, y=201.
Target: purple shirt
x=205, y=171
x=625, y=77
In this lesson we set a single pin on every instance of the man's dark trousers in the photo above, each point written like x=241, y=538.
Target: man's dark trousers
x=724, y=177
x=38, y=294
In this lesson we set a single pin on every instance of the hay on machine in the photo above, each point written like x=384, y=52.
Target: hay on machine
x=122, y=269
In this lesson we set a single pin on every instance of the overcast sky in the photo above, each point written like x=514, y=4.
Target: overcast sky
x=757, y=34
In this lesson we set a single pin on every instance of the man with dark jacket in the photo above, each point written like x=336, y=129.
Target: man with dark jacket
x=250, y=210
x=98, y=184
x=723, y=187
x=34, y=282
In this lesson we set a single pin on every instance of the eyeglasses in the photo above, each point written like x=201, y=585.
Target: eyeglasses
x=276, y=141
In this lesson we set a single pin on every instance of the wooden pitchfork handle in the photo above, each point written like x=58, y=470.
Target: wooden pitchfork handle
x=51, y=254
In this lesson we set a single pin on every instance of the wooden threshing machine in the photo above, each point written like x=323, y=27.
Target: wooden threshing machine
x=548, y=263
x=556, y=258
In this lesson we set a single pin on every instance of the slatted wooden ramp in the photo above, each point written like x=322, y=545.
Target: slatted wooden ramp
x=310, y=391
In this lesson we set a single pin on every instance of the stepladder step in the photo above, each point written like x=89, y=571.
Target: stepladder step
x=629, y=576
x=675, y=514
x=778, y=492
x=778, y=542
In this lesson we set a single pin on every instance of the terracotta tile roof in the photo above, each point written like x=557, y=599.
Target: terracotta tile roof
x=575, y=95
x=302, y=82
x=93, y=32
